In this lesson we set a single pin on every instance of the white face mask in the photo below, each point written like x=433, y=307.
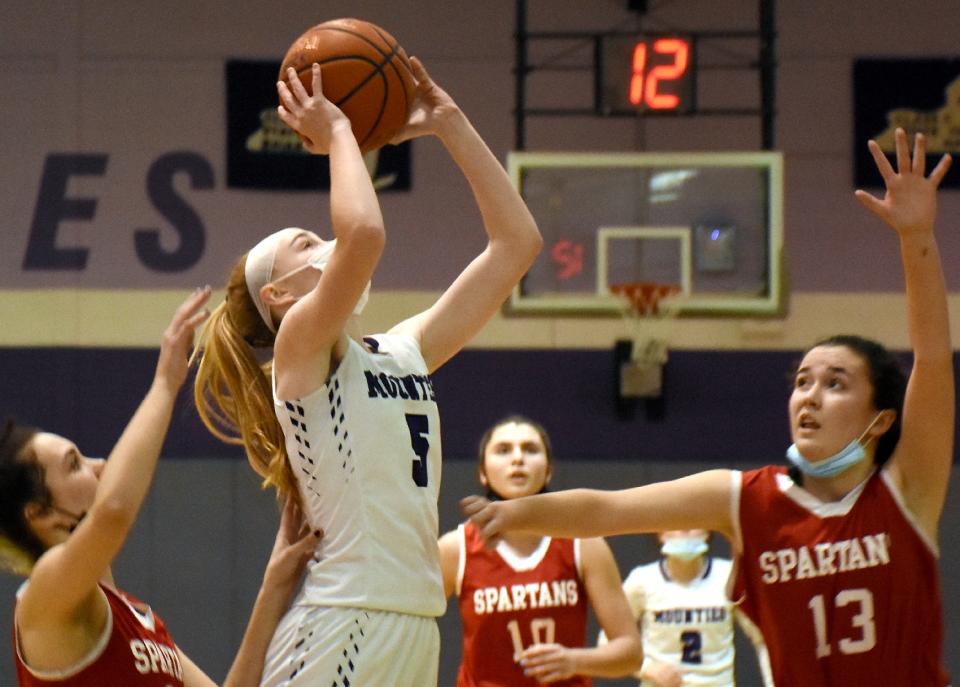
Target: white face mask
x=684, y=548
x=318, y=261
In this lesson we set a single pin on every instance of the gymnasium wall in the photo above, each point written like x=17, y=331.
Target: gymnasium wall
x=134, y=85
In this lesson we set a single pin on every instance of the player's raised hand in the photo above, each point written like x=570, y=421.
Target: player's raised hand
x=909, y=205
x=313, y=117
x=177, y=339
x=431, y=106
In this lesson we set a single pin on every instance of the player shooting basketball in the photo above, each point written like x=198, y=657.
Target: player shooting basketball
x=349, y=424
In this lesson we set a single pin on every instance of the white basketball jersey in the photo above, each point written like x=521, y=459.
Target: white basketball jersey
x=689, y=626
x=365, y=449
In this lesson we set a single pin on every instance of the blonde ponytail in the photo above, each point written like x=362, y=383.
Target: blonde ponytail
x=232, y=389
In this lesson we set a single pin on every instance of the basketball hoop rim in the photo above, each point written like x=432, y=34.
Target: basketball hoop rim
x=644, y=298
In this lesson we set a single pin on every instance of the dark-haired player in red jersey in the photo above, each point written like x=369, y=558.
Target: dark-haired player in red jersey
x=524, y=604
x=837, y=557
x=64, y=517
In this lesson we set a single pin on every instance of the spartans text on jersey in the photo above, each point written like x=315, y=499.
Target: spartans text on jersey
x=153, y=657
x=826, y=558
x=519, y=597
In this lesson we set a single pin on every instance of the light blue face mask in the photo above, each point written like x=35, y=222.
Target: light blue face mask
x=847, y=457
x=684, y=548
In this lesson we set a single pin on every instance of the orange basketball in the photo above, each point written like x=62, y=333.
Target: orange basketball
x=365, y=73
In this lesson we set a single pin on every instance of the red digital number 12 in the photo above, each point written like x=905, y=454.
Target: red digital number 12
x=644, y=87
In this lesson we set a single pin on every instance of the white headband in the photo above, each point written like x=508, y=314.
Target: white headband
x=259, y=269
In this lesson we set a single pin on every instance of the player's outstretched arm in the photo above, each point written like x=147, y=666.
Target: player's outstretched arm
x=315, y=323
x=700, y=501
x=921, y=462
x=63, y=584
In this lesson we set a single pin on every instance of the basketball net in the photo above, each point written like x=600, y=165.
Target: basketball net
x=648, y=307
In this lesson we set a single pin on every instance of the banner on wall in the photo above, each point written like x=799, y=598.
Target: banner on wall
x=262, y=151
x=918, y=95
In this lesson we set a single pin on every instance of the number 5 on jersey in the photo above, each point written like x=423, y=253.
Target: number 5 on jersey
x=419, y=426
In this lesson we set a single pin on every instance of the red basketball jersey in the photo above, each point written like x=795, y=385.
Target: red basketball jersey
x=844, y=593
x=508, y=603
x=137, y=652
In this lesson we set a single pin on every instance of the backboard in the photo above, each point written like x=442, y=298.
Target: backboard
x=710, y=224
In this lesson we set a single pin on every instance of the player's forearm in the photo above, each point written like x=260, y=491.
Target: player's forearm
x=132, y=462
x=569, y=514
x=927, y=313
x=247, y=666
x=619, y=657
x=353, y=202
x=700, y=501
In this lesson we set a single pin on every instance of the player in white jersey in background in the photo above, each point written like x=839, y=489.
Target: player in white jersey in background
x=348, y=423
x=685, y=615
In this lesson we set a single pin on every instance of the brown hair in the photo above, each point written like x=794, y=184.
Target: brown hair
x=232, y=389
x=22, y=481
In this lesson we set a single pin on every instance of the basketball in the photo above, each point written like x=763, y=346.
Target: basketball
x=364, y=71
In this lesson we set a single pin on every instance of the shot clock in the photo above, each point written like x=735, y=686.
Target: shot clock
x=646, y=73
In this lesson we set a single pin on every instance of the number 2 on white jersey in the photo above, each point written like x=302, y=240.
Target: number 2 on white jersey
x=862, y=620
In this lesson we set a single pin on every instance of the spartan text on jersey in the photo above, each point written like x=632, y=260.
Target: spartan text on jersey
x=152, y=657
x=519, y=597
x=412, y=386
x=826, y=558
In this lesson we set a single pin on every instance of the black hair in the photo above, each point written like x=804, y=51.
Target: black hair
x=519, y=420
x=22, y=481
x=889, y=383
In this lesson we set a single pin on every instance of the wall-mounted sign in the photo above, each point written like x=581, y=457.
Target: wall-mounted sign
x=918, y=95
x=262, y=151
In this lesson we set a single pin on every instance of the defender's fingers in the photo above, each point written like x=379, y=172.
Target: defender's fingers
x=880, y=159
x=903, y=152
x=196, y=320
x=919, y=154
x=936, y=176
x=870, y=202
x=189, y=307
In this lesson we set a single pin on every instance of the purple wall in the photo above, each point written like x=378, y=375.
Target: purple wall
x=726, y=408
